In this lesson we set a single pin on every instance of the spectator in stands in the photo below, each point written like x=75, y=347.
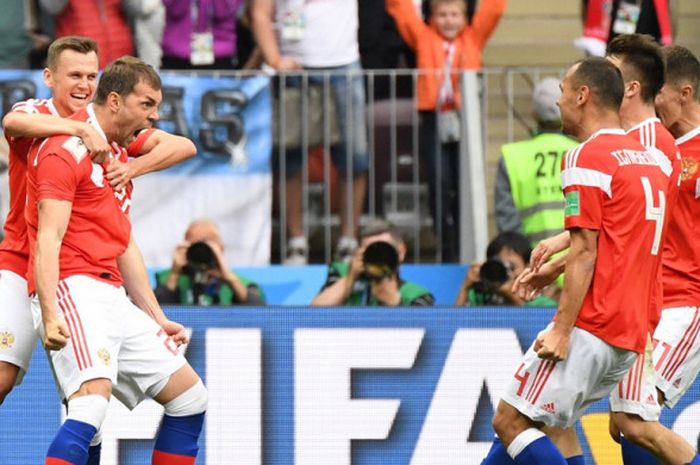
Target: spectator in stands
x=372, y=277
x=528, y=195
x=14, y=37
x=103, y=21
x=148, y=21
x=200, y=34
x=199, y=274
x=448, y=44
x=321, y=35
x=606, y=19
x=490, y=283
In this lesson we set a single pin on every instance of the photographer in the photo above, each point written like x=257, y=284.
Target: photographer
x=372, y=277
x=490, y=283
x=200, y=276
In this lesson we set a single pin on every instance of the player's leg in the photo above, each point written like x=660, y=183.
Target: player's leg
x=564, y=438
x=152, y=366
x=17, y=333
x=87, y=409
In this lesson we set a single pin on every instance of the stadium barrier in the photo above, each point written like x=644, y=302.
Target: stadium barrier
x=342, y=386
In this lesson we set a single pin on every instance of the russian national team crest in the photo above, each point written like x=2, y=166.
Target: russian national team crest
x=103, y=354
x=7, y=340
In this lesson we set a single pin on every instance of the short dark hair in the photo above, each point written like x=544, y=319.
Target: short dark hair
x=122, y=76
x=682, y=67
x=78, y=44
x=513, y=240
x=645, y=59
x=380, y=226
x=603, y=79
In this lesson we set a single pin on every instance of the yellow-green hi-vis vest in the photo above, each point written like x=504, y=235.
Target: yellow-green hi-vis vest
x=534, y=172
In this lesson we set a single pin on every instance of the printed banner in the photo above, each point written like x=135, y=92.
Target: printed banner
x=229, y=181
x=331, y=386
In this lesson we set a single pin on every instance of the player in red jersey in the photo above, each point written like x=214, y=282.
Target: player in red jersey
x=600, y=325
x=84, y=253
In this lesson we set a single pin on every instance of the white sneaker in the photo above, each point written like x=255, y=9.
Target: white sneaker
x=297, y=251
x=345, y=248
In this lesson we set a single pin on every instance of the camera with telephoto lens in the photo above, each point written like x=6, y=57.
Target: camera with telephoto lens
x=201, y=260
x=380, y=260
x=493, y=273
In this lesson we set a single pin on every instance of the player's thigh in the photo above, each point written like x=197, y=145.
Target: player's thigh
x=636, y=392
x=556, y=393
x=18, y=335
x=147, y=355
x=87, y=306
x=677, y=351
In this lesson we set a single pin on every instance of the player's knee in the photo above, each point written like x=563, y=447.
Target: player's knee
x=8, y=377
x=633, y=428
x=90, y=409
x=506, y=420
x=192, y=401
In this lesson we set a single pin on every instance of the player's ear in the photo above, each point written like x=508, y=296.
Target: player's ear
x=46, y=75
x=114, y=101
x=583, y=95
x=687, y=94
x=632, y=88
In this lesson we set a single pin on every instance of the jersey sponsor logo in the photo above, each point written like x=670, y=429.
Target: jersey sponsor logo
x=7, y=340
x=105, y=358
x=572, y=207
x=549, y=407
x=76, y=147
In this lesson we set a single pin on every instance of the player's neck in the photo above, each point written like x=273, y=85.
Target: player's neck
x=597, y=121
x=689, y=120
x=636, y=113
x=104, y=119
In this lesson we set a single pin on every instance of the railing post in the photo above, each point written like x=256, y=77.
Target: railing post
x=473, y=218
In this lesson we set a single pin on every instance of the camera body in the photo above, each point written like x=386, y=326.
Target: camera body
x=493, y=273
x=201, y=261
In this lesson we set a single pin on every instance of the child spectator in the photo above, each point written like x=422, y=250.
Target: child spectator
x=443, y=47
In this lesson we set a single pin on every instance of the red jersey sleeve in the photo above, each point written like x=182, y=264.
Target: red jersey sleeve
x=586, y=181
x=134, y=149
x=57, y=178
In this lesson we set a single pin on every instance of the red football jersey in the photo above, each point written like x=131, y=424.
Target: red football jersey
x=14, y=248
x=681, y=259
x=99, y=229
x=654, y=136
x=612, y=184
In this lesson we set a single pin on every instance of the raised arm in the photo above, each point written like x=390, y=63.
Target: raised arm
x=486, y=19
x=19, y=125
x=53, y=222
x=409, y=24
x=160, y=151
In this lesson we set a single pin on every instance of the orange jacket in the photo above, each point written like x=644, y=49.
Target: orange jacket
x=429, y=45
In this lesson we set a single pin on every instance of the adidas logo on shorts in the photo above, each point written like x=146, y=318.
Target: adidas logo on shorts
x=651, y=400
x=677, y=383
x=548, y=407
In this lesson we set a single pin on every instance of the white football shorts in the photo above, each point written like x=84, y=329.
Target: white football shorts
x=636, y=392
x=110, y=338
x=557, y=393
x=677, y=351
x=18, y=336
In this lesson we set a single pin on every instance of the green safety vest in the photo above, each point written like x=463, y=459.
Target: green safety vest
x=534, y=172
x=407, y=290
x=184, y=288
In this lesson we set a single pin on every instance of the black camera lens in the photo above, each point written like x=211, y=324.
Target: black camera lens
x=494, y=272
x=380, y=260
x=201, y=257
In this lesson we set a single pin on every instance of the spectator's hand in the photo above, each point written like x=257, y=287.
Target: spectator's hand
x=223, y=271
x=176, y=332
x=286, y=64
x=118, y=174
x=99, y=148
x=180, y=257
x=357, y=266
x=56, y=334
x=473, y=275
x=552, y=344
x=386, y=291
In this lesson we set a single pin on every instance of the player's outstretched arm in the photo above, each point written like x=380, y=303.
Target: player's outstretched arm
x=580, y=265
x=133, y=270
x=19, y=124
x=161, y=150
x=53, y=222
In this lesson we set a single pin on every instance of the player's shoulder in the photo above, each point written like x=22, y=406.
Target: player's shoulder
x=690, y=141
x=34, y=106
x=70, y=148
x=598, y=151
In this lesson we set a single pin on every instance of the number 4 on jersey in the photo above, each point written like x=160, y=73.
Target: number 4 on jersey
x=654, y=213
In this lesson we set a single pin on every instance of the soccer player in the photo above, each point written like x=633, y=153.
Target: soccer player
x=600, y=324
x=71, y=74
x=81, y=254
